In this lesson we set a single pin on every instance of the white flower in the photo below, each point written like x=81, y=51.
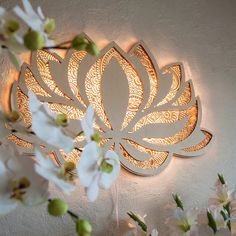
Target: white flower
x=9, y=124
x=9, y=38
x=58, y=175
x=223, y=194
x=87, y=123
x=216, y=214
x=183, y=222
x=19, y=183
x=45, y=127
x=35, y=20
x=97, y=171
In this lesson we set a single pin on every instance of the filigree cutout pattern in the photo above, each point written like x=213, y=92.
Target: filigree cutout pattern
x=161, y=117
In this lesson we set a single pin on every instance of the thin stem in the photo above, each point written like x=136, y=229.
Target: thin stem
x=74, y=217
x=57, y=47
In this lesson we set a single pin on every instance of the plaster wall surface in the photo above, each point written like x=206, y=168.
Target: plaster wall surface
x=199, y=33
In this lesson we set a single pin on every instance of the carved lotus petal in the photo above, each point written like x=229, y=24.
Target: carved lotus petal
x=144, y=113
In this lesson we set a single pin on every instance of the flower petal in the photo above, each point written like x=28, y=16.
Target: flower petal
x=87, y=166
x=40, y=13
x=4, y=177
x=93, y=189
x=29, y=16
x=7, y=205
x=15, y=60
x=45, y=128
x=49, y=171
x=107, y=179
x=37, y=193
x=65, y=186
x=87, y=123
x=34, y=104
x=28, y=8
x=43, y=160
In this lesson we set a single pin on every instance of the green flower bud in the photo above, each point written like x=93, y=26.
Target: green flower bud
x=34, y=40
x=96, y=137
x=12, y=116
x=57, y=207
x=79, y=43
x=178, y=202
x=83, y=228
x=221, y=178
x=106, y=167
x=49, y=26
x=137, y=219
x=211, y=222
x=11, y=26
x=92, y=48
x=61, y=120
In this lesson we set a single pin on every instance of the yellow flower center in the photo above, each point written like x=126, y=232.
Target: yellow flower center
x=19, y=188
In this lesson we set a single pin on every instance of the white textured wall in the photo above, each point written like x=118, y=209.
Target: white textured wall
x=202, y=35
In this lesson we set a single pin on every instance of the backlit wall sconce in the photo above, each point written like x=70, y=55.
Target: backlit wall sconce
x=145, y=113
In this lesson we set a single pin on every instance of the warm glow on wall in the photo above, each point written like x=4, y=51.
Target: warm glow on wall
x=145, y=113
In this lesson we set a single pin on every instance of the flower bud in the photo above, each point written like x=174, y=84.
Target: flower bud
x=83, y=228
x=34, y=40
x=92, y=48
x=211, y=222
x=57, y=207
x=178, y=201
x=96, y=137
x=79, y=43
x=49, y=26
x=12, y=116
x=221, y=178
x=11, y=26
x=61, y=120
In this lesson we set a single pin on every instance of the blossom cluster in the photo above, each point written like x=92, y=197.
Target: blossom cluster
x=218, y=218
x=15, y=40
x=25, y=180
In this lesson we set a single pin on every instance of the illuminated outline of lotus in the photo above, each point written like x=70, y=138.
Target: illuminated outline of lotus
x=144, y=113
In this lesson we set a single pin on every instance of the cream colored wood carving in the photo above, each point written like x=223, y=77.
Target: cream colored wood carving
x=144, y=113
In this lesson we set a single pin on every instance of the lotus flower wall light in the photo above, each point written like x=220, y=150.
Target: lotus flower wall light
x=145, y=113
